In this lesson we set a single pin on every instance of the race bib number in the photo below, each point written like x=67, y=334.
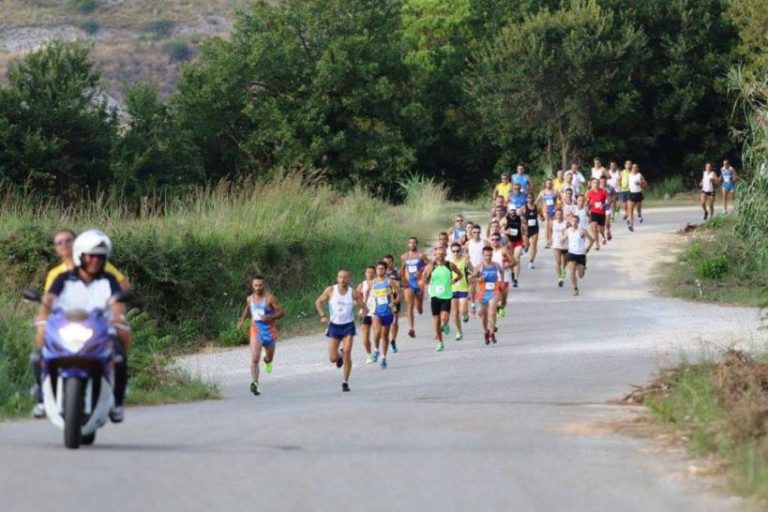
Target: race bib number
x=260, y=316
x=382, y=301
x=531, y=222
x=727, y=179
x=550, y=202
x=412, y=269
x=514, y=231
x=598, y=204
x=439, y=289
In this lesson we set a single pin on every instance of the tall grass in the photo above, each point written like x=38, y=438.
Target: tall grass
x=190, y=257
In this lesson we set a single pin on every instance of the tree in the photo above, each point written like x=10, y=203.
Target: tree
x=312, y=83
x=154, y=155
x=553, y=76
x=751, y=16
x=56, y=134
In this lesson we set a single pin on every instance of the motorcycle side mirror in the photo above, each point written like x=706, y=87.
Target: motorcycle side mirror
x=31, y=295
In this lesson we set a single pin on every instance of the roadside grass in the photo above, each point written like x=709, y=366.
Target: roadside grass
x=715, y=264
x=719, y=408
x=190, y=257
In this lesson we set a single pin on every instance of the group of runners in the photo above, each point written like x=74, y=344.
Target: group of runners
x=469, y=270
x=709, y=182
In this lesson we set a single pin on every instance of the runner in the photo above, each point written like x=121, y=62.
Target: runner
x=385, y=292
x=598, y=170
x=707, y=184
x=532, y=216
x=559, y=181
x=596, y=198
x=517, y=197
x=264, y=310
x=578, y=179
x=624, y=189
x=488, y=276
x=514, y=229
x=441, y=275
x=502, y=190
x=505, y=260
x=500, y=203
x=582, y=213
x=494, y=227
x=474, y=251
x=341, y=299
x=568, y=204
x=610, y=205
x=577, y=254
x=550, y=200
x=460, y=288
x=728, y=179
x=364, y=289
x=523, y=179
x=560, y=245
x=568, y=183
x=411, y=266
x=636, y=184
x=458, y=232
x=442, y=242
x=394, y=274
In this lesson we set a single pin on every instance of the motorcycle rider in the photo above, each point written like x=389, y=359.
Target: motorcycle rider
x=88, y=286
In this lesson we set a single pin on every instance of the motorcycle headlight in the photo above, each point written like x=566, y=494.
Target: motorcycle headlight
x=74, y=336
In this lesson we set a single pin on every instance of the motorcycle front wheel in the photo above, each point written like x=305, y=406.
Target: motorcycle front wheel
x=74, y=396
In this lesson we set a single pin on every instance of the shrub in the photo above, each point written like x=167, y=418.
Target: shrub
x=84, y=6
x=89, y=26
x=713, y=268
x=159, y=29
x=178, y=51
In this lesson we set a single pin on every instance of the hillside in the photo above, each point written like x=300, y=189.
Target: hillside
x=133, y=40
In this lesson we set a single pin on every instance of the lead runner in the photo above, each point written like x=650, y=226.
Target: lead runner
x=341, y=299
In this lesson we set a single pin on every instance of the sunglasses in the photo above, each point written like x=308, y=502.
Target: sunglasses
x=96, y=256
x=495, y=239
x=455, y=251
x=459, y=220
x=65, y=241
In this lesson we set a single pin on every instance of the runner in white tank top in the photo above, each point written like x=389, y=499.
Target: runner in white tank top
x=341, y=299
x=559, y=248
x=472, y=248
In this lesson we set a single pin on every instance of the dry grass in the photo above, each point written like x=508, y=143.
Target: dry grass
x=717, y=409
x=112, y=13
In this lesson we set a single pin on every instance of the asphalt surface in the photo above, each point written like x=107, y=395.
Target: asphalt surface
x=473, y=428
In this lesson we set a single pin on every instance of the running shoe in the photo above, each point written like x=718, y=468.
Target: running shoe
x=393, y=344
x=605, y=241
x=640, y=218
x=472, y=308
x=487, y=337
x=610, y=237
x=706, y=215
x=502, y=312
x=340, y=359
x=459, y=337
x=255, y=388
x=375, y=355
x=370, y=359
x=446, y=328
x=420, y=309
x=117, y=414
x=631, y=227
x=38, y=411
x=439, y=347
x=560, y=283
x=465, y=318
x=344, y=386
x=530, y=266
x=268, y=366
x=495, y=328
x=493, y=338
x=575, y=292
x=514, y=283
x=383, y=363
x=411, y=333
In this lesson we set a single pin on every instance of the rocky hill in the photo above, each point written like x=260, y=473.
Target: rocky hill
x=133, y=40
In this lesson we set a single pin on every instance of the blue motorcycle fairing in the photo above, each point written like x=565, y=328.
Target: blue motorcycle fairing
x=96, y=352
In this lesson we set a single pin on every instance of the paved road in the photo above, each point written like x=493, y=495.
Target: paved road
x=472, y=428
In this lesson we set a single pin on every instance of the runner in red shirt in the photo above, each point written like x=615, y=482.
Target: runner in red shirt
x=596, y=198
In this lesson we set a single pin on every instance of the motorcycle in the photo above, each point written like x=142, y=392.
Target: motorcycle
x=78, y=359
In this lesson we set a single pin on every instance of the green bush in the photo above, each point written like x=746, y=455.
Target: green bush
x=84, y=6
x=89, y=26
x=668, y=188
x=178, y=51
x=713, y=268
x=159, y=29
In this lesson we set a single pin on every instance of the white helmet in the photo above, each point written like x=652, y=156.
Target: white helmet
x=92, y=241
